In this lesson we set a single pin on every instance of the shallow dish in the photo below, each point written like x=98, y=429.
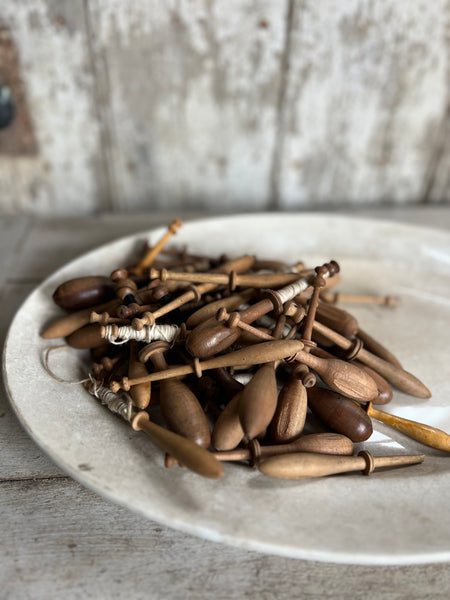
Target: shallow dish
x=391, y=517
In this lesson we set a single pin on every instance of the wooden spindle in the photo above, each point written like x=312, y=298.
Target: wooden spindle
x=253, y=355
x=335, y=297
x=401, y=379
x=185, y=451
x=180, y=408
x=321, y=443
x=149, y=257
x=375, y=347
x=209, y=310
x=241, y=264
x=343, y=377
x=425, y=434
x=304, y=464
x=232, y=280
x=210, y=338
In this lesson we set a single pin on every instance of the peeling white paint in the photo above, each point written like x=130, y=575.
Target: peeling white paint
x=56, y=71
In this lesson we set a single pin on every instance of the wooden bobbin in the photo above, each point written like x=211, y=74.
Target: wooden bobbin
x=149, y=257
x=341, y=376
x=180, y=408
x=83, y=292
x=321, y=443
x=227, y=432
x=341, y=414
x=245, y=357
x=290, y=414
x=425, y=434
x=232, y=279
x=210, y=338
x=240, y=264
x=398, y=377
x=301, y=465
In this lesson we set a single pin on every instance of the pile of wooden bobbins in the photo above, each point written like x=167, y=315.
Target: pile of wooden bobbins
x=246, y=360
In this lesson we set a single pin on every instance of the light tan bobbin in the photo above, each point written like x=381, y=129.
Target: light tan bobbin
x=335, y=297
x=321, y=443
x=65, y=326
x=301, y=465
x=425, y=434
x=149, y=257
x=258, y=400
x=385, y=392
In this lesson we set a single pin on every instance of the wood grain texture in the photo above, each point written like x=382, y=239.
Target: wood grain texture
x=191, y=94
x=230, y=105
x=66, y=176
x=99, y=550
x=365, y=103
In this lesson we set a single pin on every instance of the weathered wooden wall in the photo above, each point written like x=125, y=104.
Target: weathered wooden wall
x=229, y=104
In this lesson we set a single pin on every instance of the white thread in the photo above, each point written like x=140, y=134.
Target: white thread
x=296, y=288
x=121, y=405
x=51, y=373
x=150, y=333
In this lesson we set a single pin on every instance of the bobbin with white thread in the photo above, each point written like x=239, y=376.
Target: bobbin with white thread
x=122, y=334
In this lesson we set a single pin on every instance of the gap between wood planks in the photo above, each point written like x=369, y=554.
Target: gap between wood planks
x=275, y=169
x=28, y=478
x=437, y=156
x=107, y=186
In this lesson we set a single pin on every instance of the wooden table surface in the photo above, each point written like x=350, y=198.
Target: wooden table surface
x=59, y=539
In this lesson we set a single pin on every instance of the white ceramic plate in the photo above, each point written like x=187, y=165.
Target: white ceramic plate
x=391, y=517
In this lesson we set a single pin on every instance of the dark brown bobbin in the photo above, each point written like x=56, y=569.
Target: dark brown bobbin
x=83, y=292
x=125, y=287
